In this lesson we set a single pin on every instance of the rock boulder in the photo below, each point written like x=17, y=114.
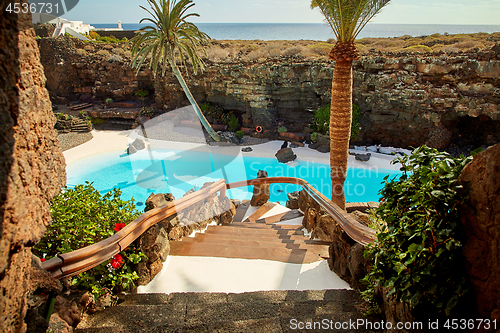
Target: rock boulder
x=285, y=155
x=293, y=200
x=362, y=157
x=158, y=200
x=480, y=215
x=261, y=193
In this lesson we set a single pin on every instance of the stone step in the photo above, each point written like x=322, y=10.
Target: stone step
x=224, y=235
x=295, y=256
x=256, y=228
x=253, y=232
x=264, y=311
x=282, y=239
x=320, y=249
x=262, y=225
x=74, y=129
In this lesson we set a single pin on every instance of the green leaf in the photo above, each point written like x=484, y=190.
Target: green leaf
x=420, y=210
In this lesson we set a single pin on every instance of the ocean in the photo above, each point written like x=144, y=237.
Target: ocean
x=318, y=31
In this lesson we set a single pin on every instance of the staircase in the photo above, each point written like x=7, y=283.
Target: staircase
x=271, y=232
x=256, y=233
x=74, y=124
x=263, y=311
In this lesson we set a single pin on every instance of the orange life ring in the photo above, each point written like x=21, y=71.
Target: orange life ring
x=258, y=129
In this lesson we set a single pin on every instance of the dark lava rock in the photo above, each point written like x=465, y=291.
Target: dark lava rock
x=293, y=200
x=246, y=149
x=261, y=193
x=285, y=155
x=363, y=157
x=323, y=149
x=479, y=214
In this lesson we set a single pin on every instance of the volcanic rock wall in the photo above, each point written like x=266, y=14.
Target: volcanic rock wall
x=76, y=70
x=31, y=162
x=480, y=215
x=416, y=99
x=405, y=99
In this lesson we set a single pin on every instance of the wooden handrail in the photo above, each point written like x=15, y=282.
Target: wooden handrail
x=75, y=262
x=357, y=231
x=72, y=263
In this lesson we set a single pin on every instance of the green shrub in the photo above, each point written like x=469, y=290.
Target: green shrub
x=314, y=136
x=240, y=134
x=215, y=112
x=109, y=100
x=355, y=126
x=82, y=217
x=94, y=35
x=148, y=112
x=417, y=254
x=282, y=129
x=233, y=123
x=142, y=93
x=109, y=40
x=96, y=121
x=322, y=121
x=62, y=116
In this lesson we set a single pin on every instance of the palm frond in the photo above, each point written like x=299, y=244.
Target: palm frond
x=169, y=34
x=348, y=17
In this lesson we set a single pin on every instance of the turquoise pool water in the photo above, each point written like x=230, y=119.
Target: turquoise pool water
x=176, y=171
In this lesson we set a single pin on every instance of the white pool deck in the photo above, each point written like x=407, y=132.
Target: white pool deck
x=208, y=274
x=104, y=141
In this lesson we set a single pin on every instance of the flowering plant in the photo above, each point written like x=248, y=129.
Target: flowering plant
x=119, y=226
x=142, y=93
x=81, y=217
x=117, y=261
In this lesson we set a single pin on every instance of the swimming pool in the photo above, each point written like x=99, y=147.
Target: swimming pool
x=178, y=171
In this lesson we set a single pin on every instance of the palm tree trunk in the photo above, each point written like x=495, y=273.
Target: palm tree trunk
x=340, y=128
x=191, y=99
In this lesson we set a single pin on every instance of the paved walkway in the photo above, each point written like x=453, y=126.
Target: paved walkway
x=265, y=311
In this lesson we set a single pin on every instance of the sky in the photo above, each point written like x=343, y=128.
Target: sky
x=479, y=12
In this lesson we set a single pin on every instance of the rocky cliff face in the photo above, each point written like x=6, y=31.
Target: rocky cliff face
x=405, y=99
x=415, y=99
x=266, y=92
x=480, y=215
x=76, y=70
x=31, y=162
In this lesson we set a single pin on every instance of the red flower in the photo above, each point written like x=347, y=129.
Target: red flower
x=119, y=226
x=43, y=259
x=117, y=261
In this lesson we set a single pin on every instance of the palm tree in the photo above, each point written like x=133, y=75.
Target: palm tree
x=168, y=39
x=346, y=18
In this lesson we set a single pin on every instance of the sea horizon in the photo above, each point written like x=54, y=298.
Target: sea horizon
x=317, y=31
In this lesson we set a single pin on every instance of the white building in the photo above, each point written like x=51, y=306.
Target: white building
x=74, y=28
x=112, y=29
